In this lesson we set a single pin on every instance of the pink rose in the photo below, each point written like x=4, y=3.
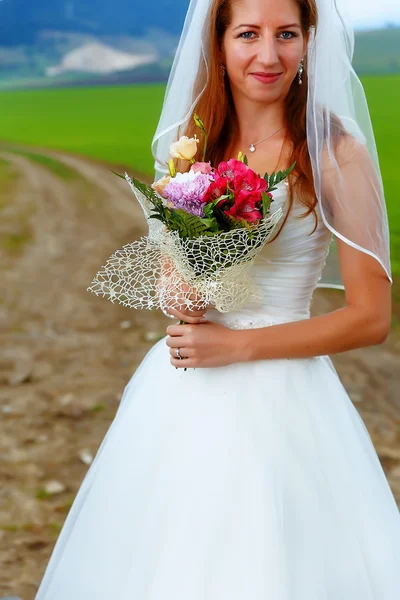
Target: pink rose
x=202, y=167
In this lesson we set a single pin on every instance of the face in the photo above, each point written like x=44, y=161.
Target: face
x=262, y=48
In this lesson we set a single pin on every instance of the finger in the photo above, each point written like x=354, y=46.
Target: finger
x=177, y=331
x=187, y=318
x=184, y=352
x=186, y=363
x=175, y=342
x=184, y=315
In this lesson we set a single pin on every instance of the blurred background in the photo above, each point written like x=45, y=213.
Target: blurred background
x=81, y=88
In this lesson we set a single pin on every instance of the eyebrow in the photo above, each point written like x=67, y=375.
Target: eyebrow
x=258, y=27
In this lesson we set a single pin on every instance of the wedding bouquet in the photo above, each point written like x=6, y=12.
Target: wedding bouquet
x=206, y=227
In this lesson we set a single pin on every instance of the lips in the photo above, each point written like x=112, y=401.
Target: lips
x=267, y=77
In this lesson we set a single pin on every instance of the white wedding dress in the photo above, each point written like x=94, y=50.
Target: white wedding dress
x=255, y=481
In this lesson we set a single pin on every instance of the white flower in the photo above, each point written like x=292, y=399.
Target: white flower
x=185, y=177
x=185, y=148
x=159, y=186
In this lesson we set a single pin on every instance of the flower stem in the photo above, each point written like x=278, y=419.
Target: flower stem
x=205, y=146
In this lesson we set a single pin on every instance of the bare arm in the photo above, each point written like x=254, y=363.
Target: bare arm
x=364, y=321
x=352, y=195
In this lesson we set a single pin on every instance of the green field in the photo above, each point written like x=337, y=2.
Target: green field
x=113, y=123
x=116, y=124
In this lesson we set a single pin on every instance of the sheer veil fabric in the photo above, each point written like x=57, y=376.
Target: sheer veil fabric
x=341, y=141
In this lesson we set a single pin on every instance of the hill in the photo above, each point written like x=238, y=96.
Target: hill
x=378, y=51
x=53, y=42
x=21, y=21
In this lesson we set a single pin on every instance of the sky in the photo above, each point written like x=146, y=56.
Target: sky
x=369, y=13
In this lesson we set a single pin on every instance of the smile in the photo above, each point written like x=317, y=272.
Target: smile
x=267, y=77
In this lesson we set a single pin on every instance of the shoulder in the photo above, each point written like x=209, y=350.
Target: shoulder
x=342, y=151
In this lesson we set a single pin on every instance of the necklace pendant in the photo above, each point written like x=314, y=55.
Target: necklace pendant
x=252, y=148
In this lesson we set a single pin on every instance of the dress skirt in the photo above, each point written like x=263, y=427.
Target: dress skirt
x=254, y=481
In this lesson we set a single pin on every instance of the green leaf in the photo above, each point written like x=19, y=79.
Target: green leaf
x=281, y=175
x=148, y=192
x=266, y=202
x=187, y=225
x=245, y=160
x=117, y=174
x=209, y=207
x=211, y=224
x=234, y=222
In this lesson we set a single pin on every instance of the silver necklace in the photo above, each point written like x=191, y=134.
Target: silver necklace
x=252, y=147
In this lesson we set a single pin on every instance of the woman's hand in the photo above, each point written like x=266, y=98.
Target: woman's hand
x=204, y=345
x=188, y=316
x=175, y=307
x=179, y=294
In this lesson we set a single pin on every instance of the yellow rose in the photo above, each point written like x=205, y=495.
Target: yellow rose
x=185, y=148
x=160, y=185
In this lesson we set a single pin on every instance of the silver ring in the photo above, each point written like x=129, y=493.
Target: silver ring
x=178, y=353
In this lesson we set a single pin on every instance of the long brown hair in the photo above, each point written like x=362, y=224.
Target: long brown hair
x=216, y=109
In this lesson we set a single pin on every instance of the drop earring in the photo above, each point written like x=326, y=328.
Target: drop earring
x=301, y=71
x=223, y=71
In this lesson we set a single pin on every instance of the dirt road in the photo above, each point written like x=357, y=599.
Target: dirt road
x=66, y=355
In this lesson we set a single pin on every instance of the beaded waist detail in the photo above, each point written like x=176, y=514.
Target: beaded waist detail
x=248, y=321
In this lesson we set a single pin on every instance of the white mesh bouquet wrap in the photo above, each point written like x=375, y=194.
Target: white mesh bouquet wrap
x=163, y=270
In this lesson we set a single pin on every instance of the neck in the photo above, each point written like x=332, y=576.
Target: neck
x=256, y=120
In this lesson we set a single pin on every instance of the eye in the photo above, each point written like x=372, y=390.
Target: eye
x=288, y=35
x=246, y=35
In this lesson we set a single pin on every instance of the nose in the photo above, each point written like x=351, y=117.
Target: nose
x=267, y=50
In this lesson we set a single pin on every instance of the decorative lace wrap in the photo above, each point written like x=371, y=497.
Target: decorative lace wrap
x=163, y=270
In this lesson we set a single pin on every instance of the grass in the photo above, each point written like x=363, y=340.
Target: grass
x=14, y=242
x=8, y=175
x=110, y=123
x=382, y=93
x=116, y=124
x=53, y=165
x=4, y=165
x=53, y=527
x=42, y=494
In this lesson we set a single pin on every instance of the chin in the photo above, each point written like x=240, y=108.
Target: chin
x=266, y=96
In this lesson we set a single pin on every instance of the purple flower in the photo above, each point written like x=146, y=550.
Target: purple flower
x=187, y=190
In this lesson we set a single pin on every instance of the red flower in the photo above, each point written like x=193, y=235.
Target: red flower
x=245, y=207
x=250, y=182
x=245, y=186
x=231, y=169
x=216, y=189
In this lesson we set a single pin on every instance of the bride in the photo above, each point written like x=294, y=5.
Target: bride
x=250, y=475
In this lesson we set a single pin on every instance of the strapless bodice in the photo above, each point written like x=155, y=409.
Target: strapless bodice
x=287, y=270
